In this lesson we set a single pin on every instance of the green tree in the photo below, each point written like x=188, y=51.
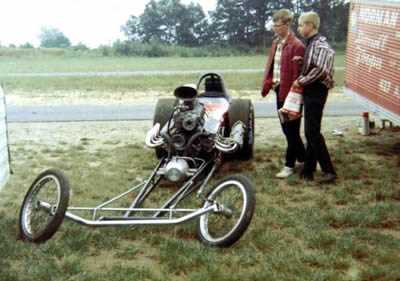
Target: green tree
x=238, y=23
x=242, y=22
x=230, y=22
x=80, y=47
x=334, y=17
x=27, y=45
x=340, y=11
x=53, y=38
x=192, y=26
x=168, y=21
x=132, y=28
x=160, y=20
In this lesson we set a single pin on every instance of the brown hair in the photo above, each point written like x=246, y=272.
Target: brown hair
x=284, y=15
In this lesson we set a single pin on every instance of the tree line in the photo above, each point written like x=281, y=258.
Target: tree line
x=234, y=27
x=239, y=23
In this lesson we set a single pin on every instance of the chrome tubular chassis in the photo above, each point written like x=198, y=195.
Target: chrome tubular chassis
x=224, y=215
x=157, y=216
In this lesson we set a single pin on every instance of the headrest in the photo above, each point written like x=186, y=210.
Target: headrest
x=213, y=85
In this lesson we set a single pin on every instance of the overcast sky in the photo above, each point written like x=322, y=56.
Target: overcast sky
x=92, y=22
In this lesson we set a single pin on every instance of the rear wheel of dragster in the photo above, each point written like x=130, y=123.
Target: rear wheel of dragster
x=236, y=201
x=44, y=206
x=162, y=114
x=243, y=110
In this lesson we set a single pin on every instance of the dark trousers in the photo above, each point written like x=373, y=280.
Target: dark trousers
x=295, y=148
x=315, y=96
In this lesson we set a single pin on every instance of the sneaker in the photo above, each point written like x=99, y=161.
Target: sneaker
x=284, y=173
x=328, y=178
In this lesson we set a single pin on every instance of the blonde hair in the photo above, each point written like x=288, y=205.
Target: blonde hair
x=284, y=15
x=310, y=17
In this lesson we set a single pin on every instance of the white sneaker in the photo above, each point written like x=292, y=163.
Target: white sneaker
x=284, y=173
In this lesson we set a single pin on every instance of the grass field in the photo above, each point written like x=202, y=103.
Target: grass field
x=53, y=63
x=100, y=64
x=131, y=84
x=347, y=231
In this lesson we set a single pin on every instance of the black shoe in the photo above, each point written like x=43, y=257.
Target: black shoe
x=306, y=176
x=328, y=178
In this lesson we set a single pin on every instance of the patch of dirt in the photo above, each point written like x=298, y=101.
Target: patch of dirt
x=120, y=133
x=79, y=98
x=145, y=258
x=93, y=135
x=125, y=98
x=393, y=232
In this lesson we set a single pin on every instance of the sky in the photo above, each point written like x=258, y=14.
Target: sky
x=92, y=22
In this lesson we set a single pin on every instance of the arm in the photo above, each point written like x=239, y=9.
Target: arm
x=297, y=60
x=267, y=82
x=319, y=69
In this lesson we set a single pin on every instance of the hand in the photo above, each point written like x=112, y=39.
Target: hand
x=294, y=116
x=285, y=115
x=297, y=59
x=296, y=84
x=264, y=93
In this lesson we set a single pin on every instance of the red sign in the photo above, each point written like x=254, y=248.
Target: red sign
x=373, y=52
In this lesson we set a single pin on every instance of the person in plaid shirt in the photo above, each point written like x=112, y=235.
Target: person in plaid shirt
x=316, y=78
x=282, y=69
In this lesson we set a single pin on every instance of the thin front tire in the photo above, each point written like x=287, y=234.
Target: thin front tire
x=235, y=200
x=44, y=206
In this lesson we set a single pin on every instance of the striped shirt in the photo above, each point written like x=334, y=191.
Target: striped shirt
x=276, y=77
x=318, y=63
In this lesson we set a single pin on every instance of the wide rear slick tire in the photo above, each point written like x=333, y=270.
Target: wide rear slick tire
x=243, y=110
x=163, y=111
x=236, y=195
x=36, y=223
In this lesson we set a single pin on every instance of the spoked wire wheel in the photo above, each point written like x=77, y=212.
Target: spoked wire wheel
x=235, y=201
x=44, y=206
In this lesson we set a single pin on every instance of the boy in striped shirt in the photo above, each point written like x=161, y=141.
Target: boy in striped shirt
x=316, y=78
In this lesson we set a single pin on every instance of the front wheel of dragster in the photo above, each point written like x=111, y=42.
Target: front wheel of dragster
x=235, y=199
x=243, y=110
x=44, y=206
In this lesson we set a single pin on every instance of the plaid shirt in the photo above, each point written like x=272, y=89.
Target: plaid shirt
x=276, y=77
x=318, y=62
x=289, y=70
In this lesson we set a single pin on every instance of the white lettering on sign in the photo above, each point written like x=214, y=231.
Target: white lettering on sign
x=375, y=43
x=372, y=61
x=353, y=22
x=385, y=86
x=379, y=17
x=394, y=54
x=397, y=90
